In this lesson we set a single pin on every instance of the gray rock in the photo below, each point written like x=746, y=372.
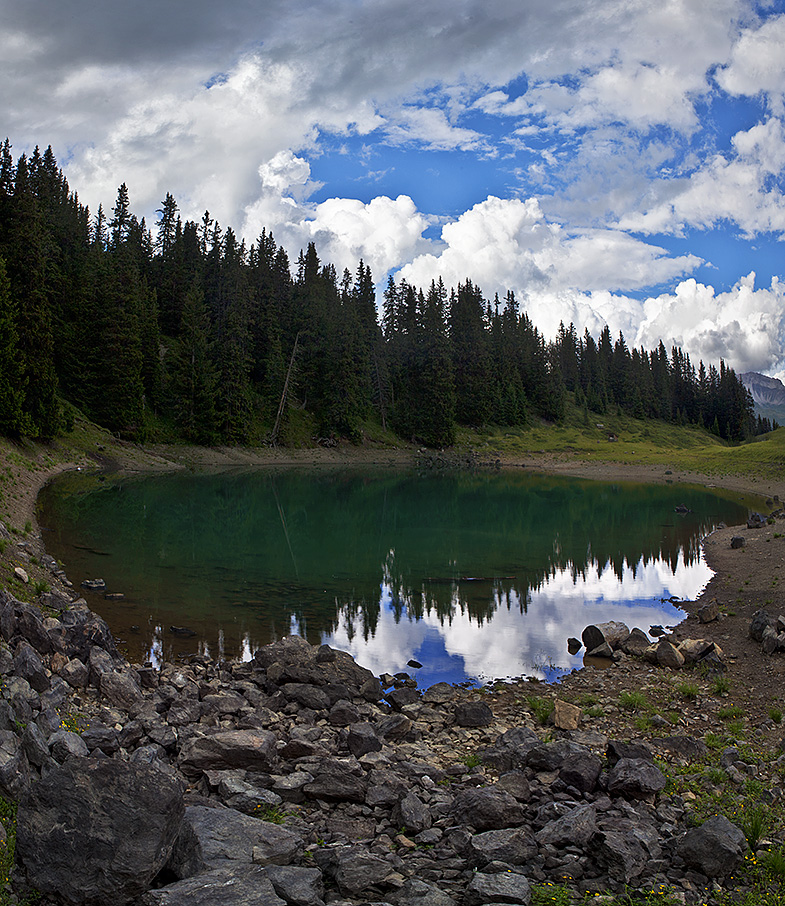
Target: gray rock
x=623, y=848
x=709, y=612
x=65, y=744
x=399, y=698
x=439, y=694
x=337, y=778
x=575, y=828
x=362, y=739
x=235, y=886
x=394, y=728
x=97, y=736
x=473, y=714
x=635, y=778
x=246, y=797
x=612, y=633
x=737, y=541
x=98, y=831
x=252, y=750
x=552, y=755
x=306, y=696
x=28, y=665
x=617, y=750
x=715, y=848
x=123, y=690
x=505, y=887
x=668, y=655
x=343, y=713
x=420, y=893
x=75, y=673
x=513, y=846
x=412, y=814
x=760, y=620
x=35, y=746
x=581, y=770
x=636, y=643
x=353, y=868
x=487, y=808
x=384, y=789
x=222, y=837
x=511, y=750
x=14, y=767
x=296, y=885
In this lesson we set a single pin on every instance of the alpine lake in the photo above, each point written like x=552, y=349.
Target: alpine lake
x=474, y=575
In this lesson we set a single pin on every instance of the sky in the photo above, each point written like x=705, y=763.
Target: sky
x=612, y=162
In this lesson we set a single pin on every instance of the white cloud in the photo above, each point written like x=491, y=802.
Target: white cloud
x=757, y=63
x=736, y=189
x=382, y=232
x=745, y=326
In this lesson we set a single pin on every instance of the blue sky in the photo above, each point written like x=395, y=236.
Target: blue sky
x=611, y=161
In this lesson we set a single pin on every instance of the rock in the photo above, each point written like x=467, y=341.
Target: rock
x=14, y=767
x=756, y=521
x=336, y=778
x=694, y=650
x=439, y=694
x=98, y=831
x=612, y=633
x=668, y=655
x=512, y=846
x=420, y=893
x=412, y=814
x=709, y=612
x=222, y=837
x=235, y=886
x=28, y=665
x=487, y=808
x=618, y=750
x=65, y=744
x=602, y=650
x=624, y=847
x=296, y=885
x=581, y=771
x=343, y=714
x=353, y=868
x=121, y=689
x=715, y=848
x=636, y=643
x=505, y=887
x=737, y=541
x=760, y=620
x=635, y=778
x=574, y=645
x=75, y=673
x=473, y=714
x=94, y=584
x=566, y=716
x=511, y=749
x=250, y=749
x=575, y=828
x=362, y=739
x=21, y=574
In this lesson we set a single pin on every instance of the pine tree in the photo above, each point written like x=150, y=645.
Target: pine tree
x=13, y=420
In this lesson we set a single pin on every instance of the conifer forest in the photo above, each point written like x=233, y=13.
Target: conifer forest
x=184, y=326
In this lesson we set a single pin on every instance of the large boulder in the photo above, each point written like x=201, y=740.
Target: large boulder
x=488, y=808
x=715, y=848
x=236, y=886
x=635, y=778
x=253, y=750
x=223, y=837
x=97, y=831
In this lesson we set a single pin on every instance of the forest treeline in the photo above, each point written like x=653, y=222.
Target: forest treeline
x=184, y=327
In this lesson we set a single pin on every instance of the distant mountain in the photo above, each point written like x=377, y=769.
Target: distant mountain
x=768, y=394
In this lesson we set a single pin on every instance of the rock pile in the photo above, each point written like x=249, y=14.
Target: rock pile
x=299, y=779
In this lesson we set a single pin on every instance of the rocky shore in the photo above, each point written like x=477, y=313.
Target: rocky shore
x=299, y=778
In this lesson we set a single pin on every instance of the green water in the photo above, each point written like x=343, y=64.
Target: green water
x=473, y=575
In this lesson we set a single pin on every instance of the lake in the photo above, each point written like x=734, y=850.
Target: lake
x=475, y=575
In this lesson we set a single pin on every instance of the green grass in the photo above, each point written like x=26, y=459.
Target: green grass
x=542, y=708
x=688, y=691
x=7, y=858
x=273, y=814
x=633, y=701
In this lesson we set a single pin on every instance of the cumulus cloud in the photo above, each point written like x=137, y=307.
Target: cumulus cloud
x=382, y=232
x=757, y=64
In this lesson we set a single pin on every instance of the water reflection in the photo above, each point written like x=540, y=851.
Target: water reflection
x=471, y=575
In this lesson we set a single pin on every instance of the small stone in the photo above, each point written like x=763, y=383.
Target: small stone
x=21, y=575
x=566, y=716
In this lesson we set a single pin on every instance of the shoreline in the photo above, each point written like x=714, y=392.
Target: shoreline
x=755, y=565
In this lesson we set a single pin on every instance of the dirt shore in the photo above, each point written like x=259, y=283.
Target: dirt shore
x=746, y=579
